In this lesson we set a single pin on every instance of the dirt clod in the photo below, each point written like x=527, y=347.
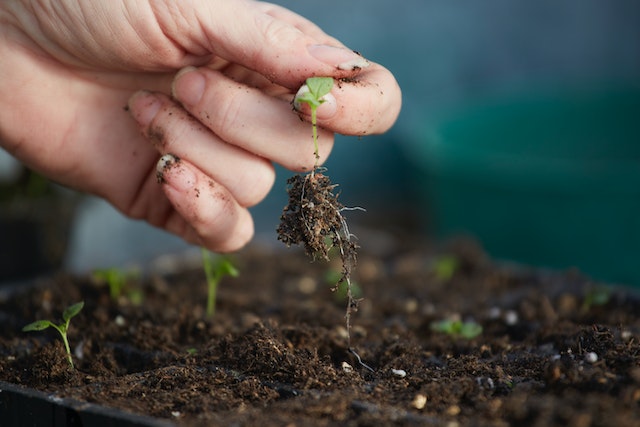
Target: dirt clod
x=313, y=217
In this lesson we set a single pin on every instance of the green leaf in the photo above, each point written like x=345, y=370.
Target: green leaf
x=319, y=86
x=457, y=328
x=72, y=310
x=470, y=330
x=227, y=268
x=309, y=98
x=444, y=326
x=446, y=266
x=38, y=325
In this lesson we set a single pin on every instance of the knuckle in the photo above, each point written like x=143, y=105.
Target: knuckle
x=226, y=236
x=275, y=32
x=256, y=181
x=224, y=115
x=230, y=115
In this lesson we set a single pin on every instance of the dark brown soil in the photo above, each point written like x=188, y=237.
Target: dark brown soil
x=313, y=218
x=555, y=350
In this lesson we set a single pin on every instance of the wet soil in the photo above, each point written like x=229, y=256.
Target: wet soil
x=555, y=348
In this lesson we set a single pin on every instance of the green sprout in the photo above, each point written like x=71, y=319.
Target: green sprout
x=596, y=297
x=62, y=328
x=457, y=328
x=318, y=88
x=215, y=268
x=445, y=267
x=118, y=281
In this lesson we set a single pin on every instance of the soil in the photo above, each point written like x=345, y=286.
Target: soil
x=312, y=217
x=556, y=349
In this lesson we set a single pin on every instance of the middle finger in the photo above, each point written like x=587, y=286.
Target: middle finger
x=172, y=130
x=248, y=118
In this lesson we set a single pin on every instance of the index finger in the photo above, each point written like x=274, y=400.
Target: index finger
x=279, y=44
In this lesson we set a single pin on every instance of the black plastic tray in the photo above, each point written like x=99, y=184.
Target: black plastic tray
x=20, y=406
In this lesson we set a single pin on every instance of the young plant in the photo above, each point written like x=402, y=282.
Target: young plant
x=317, y=87
x=596, y=297
x=313, y=216
x=445, y=267
x=457, y=328
x=215, y=268
x=62, y=328
x=119, y=281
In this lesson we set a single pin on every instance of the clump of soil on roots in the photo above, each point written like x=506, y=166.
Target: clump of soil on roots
x=313, y=218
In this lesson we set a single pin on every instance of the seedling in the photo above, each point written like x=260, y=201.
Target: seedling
x=119, y=281
x=596, y=297
x=62, y=328
x=313, y=216
x=318, y=88
x=457, y=328
x=215, y=268
x=444, y=267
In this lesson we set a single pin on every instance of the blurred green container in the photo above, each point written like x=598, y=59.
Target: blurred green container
x=548, y=179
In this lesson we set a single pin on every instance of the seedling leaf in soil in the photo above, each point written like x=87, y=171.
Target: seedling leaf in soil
x=445, y=267
x=457, y=328
x=119, y=281
x=215, y=268
x=313, y=216
x=596, y=297
x=62, y=328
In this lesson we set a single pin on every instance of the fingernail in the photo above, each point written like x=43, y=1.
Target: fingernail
x=171, y=171
x=326, y=110
x=339, y=57
x=188, y=86
x=144, y=106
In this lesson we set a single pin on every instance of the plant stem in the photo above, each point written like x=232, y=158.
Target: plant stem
x=314, y=127
x=63, y=333
x=66, y=346
x=212, y=282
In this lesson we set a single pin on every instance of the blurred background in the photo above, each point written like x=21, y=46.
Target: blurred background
x=520, y=127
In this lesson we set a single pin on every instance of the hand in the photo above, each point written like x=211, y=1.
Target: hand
x=69, y=69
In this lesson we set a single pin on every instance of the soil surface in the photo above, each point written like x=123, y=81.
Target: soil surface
x=555, y=349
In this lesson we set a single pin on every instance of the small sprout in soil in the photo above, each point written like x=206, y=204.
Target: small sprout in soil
x=457, y=328
x=444, y=267
x=596, y=297
x=313, y=216
x=215, y=268
x=62, y=328
x=120, y=283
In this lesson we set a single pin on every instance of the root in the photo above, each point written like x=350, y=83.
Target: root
x=313, y=218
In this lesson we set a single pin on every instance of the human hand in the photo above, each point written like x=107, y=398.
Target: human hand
x=69, y=67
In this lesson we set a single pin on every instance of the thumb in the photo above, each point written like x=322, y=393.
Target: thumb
x=273, y=41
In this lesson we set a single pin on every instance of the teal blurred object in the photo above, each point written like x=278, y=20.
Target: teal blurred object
x=549, y=179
